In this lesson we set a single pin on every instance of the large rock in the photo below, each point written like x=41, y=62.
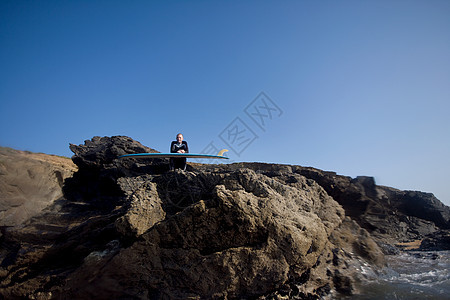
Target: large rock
x=99, y=167
x=102, y=152
x=29, y=182
x=145, y=207
x=390, y=215
x=250, y=235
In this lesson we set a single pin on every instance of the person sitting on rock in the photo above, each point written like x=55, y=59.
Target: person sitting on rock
x=178, y=146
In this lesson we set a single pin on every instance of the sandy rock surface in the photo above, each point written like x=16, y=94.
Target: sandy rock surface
x=29, y=182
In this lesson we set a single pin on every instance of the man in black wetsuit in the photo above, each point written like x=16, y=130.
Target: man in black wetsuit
x=178, y=146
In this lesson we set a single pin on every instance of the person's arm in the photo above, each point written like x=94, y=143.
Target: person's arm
x=187, y=149
x=172, y=148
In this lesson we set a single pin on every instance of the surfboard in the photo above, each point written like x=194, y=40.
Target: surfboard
x=172, y=155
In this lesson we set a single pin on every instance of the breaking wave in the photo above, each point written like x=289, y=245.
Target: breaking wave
x=410, y=275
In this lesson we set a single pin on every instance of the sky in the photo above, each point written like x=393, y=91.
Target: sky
x=354, y=87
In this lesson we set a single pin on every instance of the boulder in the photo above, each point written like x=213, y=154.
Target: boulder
x=102, y=152
x=253, y=234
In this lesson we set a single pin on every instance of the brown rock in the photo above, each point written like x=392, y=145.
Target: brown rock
x=249, y=238
x=145, y=207
x=29, y=182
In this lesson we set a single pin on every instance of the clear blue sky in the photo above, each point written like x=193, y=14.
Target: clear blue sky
x=362, y=87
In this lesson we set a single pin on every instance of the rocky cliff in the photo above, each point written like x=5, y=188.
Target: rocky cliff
x=131, y=229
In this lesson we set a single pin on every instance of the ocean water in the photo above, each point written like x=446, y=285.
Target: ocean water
x=410, y=275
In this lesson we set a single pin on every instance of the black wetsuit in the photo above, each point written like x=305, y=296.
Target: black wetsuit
x=178, y=163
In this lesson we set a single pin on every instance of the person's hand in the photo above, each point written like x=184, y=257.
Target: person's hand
x=181, y=151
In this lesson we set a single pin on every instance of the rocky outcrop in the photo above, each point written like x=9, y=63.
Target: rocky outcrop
x=246, y=238
x=132, y=229
x=390, y=215
x=29, y=182
x=436, y=241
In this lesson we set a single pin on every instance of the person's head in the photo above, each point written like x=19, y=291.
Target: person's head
x=179, y=138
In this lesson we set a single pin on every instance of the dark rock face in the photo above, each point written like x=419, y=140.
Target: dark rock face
x=99, y=169
x=128, y=228
x=439, y=240
x=423, y=206
x=390, y=215
x=101, y=152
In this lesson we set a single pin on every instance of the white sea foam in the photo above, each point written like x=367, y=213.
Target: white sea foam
x=412, y=275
